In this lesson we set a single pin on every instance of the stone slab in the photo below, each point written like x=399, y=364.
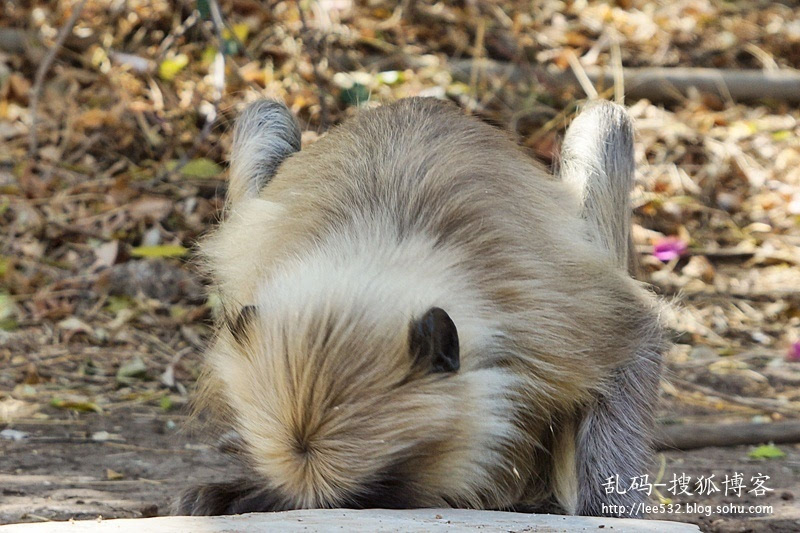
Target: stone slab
x=360, y=521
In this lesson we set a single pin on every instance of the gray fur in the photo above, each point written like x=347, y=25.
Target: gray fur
x=614, y=436
x=266, y=134
x=597, y=159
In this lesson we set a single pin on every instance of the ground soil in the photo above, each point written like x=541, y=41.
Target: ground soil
x=60, y=472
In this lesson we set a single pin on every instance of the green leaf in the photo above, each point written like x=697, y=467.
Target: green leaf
x=169, y=68
x=781, y=135
x=165, y=403
x=76, y=405
x=768, y=451
x=202, y=167
x=115, y=304
x=241, y=31
x=164, y=250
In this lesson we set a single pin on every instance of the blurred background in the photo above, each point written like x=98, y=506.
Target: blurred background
x=115, y=121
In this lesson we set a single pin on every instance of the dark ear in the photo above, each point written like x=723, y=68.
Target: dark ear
x=266, y=133
x=433, y=341
x=238, y=326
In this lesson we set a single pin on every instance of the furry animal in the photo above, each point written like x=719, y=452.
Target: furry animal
x=419, y=315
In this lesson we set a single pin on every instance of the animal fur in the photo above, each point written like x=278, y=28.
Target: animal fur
x=345, y=271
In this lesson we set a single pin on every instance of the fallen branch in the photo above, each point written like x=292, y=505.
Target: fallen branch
x=655, y=84
x=763, y=404
x=692, y=436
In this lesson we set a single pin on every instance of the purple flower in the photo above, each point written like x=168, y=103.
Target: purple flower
x=793, y=354
x=669, y=248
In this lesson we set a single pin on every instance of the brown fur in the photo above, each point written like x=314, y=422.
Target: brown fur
x=405, y=207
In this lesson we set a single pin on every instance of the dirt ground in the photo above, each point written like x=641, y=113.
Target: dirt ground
x=60, y=470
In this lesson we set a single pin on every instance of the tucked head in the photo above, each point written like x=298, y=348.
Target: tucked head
x=349, y=388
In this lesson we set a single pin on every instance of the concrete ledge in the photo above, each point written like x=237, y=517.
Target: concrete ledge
x=366, y=521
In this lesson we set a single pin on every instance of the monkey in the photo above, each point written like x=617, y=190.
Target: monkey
x=416, y=313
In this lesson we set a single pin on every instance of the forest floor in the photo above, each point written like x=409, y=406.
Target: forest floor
x=112, y=166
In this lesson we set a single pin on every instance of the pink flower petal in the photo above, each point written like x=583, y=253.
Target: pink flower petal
x=793, y=354
x=669, y=248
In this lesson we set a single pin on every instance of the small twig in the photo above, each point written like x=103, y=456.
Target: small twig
x=38, y=517
x=219, y=58
x=619, y=77
x=474, y=73
x=190, y=21
x=668, y=84
x=48, y=294
x=580, y=75
x=149, y=449
x=766, y=59
x=691, y=436
x=763, y=404
x=100, y=380
x=157, y=344
x=44, y=66
x=69, y=440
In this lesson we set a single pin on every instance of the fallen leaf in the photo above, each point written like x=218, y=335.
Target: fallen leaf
x=131, y=371
x=76, y=405
x=165, y=403
x=150, y=208
x=113, y=475
x=163, y=250
x=106, y=254
x=12, y=409
x=202, y=167
x=8, y=312
x=72, y=326
x=768, y=451
x=169, y=68
x=95, y=118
